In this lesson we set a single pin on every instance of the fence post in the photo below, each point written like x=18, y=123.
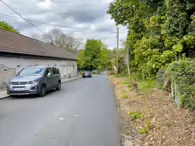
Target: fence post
x=173, y=89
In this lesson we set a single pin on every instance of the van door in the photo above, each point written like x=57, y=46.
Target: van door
x=55, y=76
x=48, y=79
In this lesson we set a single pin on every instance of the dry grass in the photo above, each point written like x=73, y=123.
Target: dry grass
x=169, y=125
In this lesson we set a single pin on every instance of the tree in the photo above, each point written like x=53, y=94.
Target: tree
x=57, y=38
x=6, y=26
x=160, y=31
x=92, y=53
x=96, y=55
x=105, y=60
x=80, y=58
x=122, y=61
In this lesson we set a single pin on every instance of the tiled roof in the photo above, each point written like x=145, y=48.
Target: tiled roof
x=16, y=43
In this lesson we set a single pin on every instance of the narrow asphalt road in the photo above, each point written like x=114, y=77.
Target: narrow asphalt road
x=83, y=113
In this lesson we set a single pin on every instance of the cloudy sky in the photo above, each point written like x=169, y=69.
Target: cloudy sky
x=83, y=19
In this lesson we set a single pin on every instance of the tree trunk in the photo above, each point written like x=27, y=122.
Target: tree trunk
x=128, y=61
x=135, y=88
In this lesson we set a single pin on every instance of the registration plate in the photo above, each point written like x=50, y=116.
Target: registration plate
x=18, y=89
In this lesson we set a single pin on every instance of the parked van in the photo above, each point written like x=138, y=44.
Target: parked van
x=35, y=80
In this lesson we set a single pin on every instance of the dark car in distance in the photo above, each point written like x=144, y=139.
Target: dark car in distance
x=35, y=80
x=87, y=74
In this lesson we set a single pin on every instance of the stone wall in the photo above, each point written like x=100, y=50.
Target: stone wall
x=5, y=74
x=66, y=67
x=9, y=66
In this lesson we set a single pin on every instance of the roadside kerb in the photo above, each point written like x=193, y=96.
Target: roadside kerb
x=3, y=95
x=68, y=80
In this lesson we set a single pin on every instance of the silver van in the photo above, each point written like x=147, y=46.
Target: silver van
x=35, y=80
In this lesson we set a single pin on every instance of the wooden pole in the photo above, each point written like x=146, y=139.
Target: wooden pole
x=117, y=55
x=128, y=61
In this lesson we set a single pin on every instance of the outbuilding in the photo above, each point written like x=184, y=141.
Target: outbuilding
x=18, y=51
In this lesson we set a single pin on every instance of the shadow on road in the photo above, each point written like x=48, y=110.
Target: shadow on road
x=33, y=96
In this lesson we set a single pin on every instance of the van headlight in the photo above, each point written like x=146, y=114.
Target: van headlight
x=34, y=81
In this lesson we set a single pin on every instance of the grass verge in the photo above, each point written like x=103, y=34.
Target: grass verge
x=156, y=118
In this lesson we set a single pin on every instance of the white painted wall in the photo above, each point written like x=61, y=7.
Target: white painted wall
x=66, y=67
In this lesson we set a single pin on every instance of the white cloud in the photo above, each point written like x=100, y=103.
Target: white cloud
x=46, y=4
x=80, y=18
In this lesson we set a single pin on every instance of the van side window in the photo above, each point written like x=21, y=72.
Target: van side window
x=48, y=70
x=55, y=71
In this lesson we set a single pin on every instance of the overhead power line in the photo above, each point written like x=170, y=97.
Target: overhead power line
x=22, y=16
x=57, y=25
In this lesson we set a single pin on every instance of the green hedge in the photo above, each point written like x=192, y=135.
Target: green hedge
x=182, y=75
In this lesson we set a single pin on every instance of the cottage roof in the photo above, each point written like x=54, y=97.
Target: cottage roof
x=19, y=44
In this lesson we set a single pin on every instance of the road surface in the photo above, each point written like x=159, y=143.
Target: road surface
x=83, y=113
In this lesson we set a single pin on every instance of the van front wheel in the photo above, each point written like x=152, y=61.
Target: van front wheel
x=42, y=91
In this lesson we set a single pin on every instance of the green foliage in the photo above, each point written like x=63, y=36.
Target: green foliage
x=125, y=96
x=147, y=85
x=105, y=60
x=122, y=69
x=161, y=78
x=92, y=53
x=94, y=56
x=144, y=131
x=160, y=31
x=6, y=26
x=147, y=127
x=135, y=115
x=126, y=82
x=80, y=58
x=182, y=72
x=133, y=82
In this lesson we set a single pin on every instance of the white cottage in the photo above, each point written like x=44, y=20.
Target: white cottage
x=18, y=51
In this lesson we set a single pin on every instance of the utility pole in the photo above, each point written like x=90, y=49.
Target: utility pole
x=117, y=55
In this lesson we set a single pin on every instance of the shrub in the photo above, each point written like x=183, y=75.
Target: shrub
x=147, y=85
x=182, y=75
x=133, y=82
x=163, y=80
x=126, y=83
x=141, y=84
